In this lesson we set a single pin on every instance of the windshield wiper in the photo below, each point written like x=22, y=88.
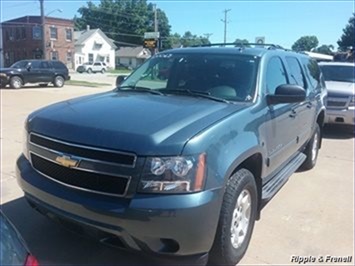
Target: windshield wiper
x=195, y=93
x=132, y=88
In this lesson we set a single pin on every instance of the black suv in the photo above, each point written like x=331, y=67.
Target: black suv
x=34, y=71
x=181, y=157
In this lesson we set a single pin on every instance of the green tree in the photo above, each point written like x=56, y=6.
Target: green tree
x=188, y=39
x=347, y=40
x=305, y=43
x=122, y=21
x=324, y=49
x=241, y=41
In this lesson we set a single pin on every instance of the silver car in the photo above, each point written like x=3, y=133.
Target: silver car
x=340, y=80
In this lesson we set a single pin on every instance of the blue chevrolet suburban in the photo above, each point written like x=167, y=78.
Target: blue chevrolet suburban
x=181, y=157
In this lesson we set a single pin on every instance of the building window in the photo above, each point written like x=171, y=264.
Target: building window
x=37, y=33
x=23, y=33
x=69, y=57
x=54, y=32
x=91, y=58
x=69, y=34
x=18, y=34
x=108, y=59
x=54, y=55
x=10, y=34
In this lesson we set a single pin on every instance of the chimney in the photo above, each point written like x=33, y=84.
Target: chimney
x=87, y=27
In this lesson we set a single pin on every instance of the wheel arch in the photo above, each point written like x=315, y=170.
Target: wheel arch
x=254, y=164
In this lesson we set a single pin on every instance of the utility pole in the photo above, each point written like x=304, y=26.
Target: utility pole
x=43, y=30
x=225, y=23
x=156, y=27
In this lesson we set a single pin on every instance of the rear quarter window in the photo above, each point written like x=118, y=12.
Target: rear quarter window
x=312, y=72
x=58, y=65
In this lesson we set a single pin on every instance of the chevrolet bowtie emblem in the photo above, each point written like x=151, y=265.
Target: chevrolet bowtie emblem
x=67, y=161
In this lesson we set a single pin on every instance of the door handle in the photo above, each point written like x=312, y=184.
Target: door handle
x=293, y=113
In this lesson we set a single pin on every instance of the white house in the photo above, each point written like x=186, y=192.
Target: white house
x=93, y=46
x=132, y=56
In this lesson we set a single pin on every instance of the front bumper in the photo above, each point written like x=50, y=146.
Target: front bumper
x=340, y=116
x=4, y=79
x=165, y=224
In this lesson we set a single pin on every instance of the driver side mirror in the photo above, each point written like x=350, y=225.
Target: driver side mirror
x=28, y=67
x=120, y=79
x=287, y=93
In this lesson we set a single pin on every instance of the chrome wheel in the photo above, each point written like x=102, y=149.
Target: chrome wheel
x=16, y=82
x=315, y=146
x=241, y=218
x=59, y=81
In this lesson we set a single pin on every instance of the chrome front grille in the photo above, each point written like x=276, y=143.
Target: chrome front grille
x=82, y=167
x=337, y=102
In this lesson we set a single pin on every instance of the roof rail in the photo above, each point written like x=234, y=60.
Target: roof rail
x=242, y=45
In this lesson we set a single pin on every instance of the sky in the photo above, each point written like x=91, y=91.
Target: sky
x=279, y=22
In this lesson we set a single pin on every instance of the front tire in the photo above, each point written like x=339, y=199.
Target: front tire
x=103, y=71
x=236, y=221
x=16, y=82
x=311, y=150
x=89, y=70
x=58, y=81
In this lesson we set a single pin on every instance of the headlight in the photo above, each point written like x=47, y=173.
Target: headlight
x=181, y=174
x=352, y=101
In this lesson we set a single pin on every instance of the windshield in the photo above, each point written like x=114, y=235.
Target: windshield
x=19, y=64
x=338, y=73
x=229, y=77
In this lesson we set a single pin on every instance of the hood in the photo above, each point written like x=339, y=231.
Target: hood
x=6, y=70
x=134, y=122
x=340, y=88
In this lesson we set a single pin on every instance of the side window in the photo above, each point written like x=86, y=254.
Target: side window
x=313, y=71
x=275, y=75
x=35, y=64
x=45, y=65
x=97, y=64
x=296, y=74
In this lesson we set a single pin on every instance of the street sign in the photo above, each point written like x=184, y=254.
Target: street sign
x=150, y=43
x=151, y=35
x=260, y=40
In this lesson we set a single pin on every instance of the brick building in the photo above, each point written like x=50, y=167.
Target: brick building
x=22, y=39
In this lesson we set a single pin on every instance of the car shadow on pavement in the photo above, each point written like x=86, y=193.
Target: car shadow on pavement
x=338, y=132
x=53, y=245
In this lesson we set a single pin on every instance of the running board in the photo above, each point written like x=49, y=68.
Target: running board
x=274, y=185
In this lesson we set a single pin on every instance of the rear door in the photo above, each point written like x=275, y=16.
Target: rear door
x=46, y=71
x=304, y=111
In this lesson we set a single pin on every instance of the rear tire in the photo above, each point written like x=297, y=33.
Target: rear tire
x=236, y=221
x=16, y=82
x=311, y=150
x=89, y=70
x=58, y=81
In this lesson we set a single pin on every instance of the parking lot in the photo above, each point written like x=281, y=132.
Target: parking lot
x=313, y=214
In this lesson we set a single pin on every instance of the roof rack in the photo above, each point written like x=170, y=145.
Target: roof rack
x=242, y=45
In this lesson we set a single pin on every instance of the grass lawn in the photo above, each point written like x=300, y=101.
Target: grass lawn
x=86, y=83
x=119, y=71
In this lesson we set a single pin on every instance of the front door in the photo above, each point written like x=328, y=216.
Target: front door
x=281, y=125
